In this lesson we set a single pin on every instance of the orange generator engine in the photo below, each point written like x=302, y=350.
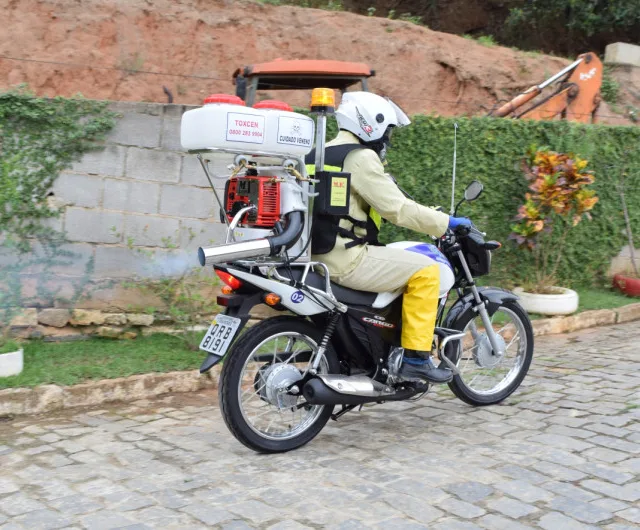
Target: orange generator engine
x=260, y=191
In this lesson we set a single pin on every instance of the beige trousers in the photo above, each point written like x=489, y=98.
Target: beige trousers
x=384, y=269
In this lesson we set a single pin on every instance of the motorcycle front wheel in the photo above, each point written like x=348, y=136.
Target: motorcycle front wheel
x=486, y=378
x=265, y=361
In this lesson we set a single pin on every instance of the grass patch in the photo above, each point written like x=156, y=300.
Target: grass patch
x=74, y=362
x=408, y=17
x=590, y=298
x=9, y=347
x=485, y=40
x=602, y=299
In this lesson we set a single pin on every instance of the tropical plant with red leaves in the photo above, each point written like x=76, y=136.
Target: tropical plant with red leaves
x=557, y=197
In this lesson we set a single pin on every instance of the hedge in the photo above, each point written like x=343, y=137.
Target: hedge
x=491, y=150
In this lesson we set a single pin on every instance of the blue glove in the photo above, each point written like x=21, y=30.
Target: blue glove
x=455, y=222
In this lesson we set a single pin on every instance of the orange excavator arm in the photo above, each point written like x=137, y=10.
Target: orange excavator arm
x=576, y=99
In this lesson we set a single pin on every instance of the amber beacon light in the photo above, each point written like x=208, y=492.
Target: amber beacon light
x=323, y=100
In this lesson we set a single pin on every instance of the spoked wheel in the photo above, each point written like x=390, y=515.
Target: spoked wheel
x=263, y=364
x=485, y=377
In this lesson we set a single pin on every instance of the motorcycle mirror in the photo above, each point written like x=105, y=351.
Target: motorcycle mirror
x=473, y=191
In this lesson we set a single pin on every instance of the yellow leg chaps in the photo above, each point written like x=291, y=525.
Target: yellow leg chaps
x=420, y=308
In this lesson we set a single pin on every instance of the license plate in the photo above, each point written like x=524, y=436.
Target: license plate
x=220, y=334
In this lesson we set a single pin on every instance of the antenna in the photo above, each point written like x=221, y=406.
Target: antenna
x=453, y=184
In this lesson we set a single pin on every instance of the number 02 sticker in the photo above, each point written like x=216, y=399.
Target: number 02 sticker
x=297, y=297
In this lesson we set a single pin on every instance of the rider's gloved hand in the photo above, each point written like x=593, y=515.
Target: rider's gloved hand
x=456, y=222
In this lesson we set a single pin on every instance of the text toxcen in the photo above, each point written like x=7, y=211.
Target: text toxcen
x=247, y=123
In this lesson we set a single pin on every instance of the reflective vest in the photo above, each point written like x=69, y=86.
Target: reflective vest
x=326, y=228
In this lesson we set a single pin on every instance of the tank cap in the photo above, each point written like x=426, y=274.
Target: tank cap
x=224, y=98
x=273, y=104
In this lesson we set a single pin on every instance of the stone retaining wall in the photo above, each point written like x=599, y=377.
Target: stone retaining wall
x=65, y=325
x=61, y=324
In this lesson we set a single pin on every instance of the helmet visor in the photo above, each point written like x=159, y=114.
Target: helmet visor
x=401, y=115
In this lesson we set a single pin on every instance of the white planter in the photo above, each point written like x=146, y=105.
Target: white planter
x=11, y=363
x=562, y=303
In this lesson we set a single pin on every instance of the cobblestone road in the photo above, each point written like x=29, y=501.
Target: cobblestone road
x=561, y=454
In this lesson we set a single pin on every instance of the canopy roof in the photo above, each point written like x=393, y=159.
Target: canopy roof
x=305, y=73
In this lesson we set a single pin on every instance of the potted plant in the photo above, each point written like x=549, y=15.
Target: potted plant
x=557, y=200
x=627, y=283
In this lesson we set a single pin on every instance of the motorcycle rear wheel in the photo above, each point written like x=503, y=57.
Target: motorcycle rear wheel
x=269, y=357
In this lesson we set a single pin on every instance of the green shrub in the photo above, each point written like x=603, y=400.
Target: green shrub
x=487, y=40
x=572, y=26
x=610, y=88
x=557, y=200
x=9, y=346
x=408, y=17
x=189, y=299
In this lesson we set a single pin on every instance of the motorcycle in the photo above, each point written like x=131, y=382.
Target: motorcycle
x=282, y=379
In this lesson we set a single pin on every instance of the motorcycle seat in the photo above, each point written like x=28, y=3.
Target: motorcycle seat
x=343, y=294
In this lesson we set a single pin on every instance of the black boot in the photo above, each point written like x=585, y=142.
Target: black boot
x=418, y=365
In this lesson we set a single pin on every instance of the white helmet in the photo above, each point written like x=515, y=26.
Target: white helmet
x=368, y=115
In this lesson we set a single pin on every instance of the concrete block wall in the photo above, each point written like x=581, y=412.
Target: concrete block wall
x=140, y=194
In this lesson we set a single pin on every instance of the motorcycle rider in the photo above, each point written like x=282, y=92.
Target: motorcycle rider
x=349, y=244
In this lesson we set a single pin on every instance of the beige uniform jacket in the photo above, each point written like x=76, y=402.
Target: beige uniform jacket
x=370, y=187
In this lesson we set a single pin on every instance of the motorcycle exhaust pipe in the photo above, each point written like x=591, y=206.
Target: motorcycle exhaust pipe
x=258, y=248
x=317, y=393
x=350, y=390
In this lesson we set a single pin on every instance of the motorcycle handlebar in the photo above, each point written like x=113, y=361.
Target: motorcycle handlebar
x=464, y=231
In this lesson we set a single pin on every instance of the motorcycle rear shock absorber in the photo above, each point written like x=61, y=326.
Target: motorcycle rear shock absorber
x=331, y=327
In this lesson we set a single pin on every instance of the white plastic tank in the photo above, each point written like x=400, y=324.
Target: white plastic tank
x=225, y=123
